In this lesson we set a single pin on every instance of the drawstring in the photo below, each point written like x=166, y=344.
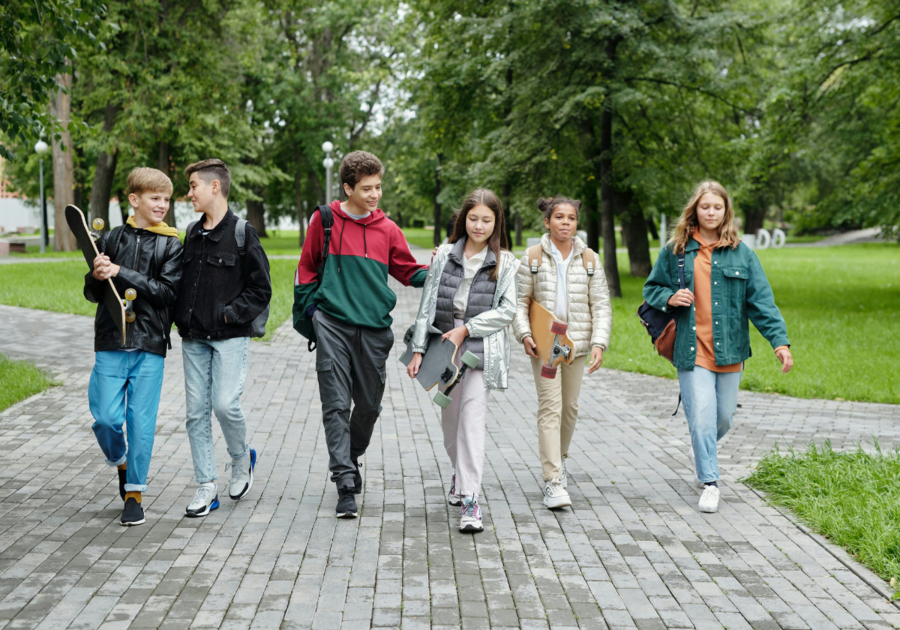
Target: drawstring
x=365, y=246
x=341, y=242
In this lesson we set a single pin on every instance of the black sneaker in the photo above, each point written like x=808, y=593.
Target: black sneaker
x=357, y=479
x=346, y=507
x=122, y=474
x=133, y=514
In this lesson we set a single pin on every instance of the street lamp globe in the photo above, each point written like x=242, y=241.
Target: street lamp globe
x=328, y=162
x=327, y=147
x=41, y=147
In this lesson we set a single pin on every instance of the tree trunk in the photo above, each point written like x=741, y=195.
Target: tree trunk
x=63, y=167
x=592, y=220
x=256, y=215
x=753, y=219
x=607, y=211
x=106, y=170
x=163, y=165
x=298, y=202
x=437, y=204
x=651, y=225
x=518, y=229
x=507, y=216
x=122, y=195
x=634, y=233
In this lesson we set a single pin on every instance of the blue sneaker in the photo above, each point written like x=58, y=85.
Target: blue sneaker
x=205, y=499
x=242, y=476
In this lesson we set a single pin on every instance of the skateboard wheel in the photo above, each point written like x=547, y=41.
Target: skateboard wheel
x=470, y=359
x=559, y=328
x=442, y=400
x=548, y=371
x=129, y=316
x=130, y=294
x=98, y=223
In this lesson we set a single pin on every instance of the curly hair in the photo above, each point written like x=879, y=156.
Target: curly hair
x=359, y=164
x=547, y=204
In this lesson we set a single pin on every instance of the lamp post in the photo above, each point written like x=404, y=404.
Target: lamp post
x=328, y=163
x=41, y=148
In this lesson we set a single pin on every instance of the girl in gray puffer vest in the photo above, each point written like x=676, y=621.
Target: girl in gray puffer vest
x=470, y=298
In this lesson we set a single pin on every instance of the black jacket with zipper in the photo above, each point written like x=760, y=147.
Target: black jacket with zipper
x=157, y=290
x=219, y=284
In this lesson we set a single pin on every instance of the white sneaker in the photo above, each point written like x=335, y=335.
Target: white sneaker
x=564, y=476
x=555, y=496
x=709, y=500
x=470, y=516
x=205, y=499
x=697, y=481
x=453, y=498
x=242, y=475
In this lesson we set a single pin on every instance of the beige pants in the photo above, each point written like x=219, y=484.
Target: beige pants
x=557, y=413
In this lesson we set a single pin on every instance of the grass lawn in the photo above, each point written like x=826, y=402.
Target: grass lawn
x=840, y=304
x=851, y=498
x=20, y=380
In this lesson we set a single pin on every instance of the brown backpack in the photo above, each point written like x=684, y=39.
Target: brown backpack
x=535, y=257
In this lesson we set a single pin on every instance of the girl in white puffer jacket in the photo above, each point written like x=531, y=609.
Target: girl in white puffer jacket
x=563, y=286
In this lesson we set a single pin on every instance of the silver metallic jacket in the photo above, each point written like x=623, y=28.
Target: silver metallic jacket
x=490, y=325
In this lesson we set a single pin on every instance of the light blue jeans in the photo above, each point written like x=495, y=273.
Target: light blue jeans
x=214, y=375
x=710, y=399
x=124, y=391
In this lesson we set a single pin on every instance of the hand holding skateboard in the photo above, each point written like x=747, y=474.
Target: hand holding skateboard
x=438, y=364
x=549, y=340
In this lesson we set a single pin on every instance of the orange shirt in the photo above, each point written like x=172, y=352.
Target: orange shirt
x=703, y=321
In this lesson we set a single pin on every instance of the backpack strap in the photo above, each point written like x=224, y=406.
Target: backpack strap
x=327, y=218
x=681, y=283
x=535, y=257
x=112, y=243
x=240, y=235
x=589, y=260
x=160, y=253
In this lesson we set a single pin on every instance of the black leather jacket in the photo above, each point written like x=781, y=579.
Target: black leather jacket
x=221, y=292
x=157, y=290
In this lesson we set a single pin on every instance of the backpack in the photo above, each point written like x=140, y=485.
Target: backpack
x=303, y=324
x=258, y=325
x=660, y=325
x=535, y=258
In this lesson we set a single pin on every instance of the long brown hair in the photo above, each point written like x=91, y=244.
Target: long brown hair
x=687, y=223
x=497, y=239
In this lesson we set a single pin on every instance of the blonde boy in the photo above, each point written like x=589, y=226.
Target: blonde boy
x=145, y=255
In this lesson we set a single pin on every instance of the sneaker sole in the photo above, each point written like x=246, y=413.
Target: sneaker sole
x=557, y=503
x=133, y=523
x=454, y=502
x=249, y=485
x=213, y=506
x=708, y=510
x=346, y=514
x=471, y=529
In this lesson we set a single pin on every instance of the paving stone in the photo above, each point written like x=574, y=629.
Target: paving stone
x=632, y=552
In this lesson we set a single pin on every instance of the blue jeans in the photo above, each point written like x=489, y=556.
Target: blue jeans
x=124, y=391
x=214, y=375
x=710, y=399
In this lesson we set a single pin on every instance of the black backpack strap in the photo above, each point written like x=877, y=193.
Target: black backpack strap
x=112, y=243
x=327, y=217
x=159, y=254
x=240, y=235
x=190, y=228
x=681, y=275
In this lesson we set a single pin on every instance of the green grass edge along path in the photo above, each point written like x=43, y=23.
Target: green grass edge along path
x=20, y=380
x=852, y=498
x=840, y=304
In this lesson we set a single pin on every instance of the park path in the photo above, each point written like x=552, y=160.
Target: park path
x=632, y=553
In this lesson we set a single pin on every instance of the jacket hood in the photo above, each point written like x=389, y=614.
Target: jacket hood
x=377, y=214
x=577, y=243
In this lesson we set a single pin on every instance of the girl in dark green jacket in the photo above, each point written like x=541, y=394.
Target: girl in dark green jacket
x=726, y=286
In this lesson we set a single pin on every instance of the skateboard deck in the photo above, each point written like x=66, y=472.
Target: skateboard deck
x=552, y=344
x=438, y=364
x=87, y=243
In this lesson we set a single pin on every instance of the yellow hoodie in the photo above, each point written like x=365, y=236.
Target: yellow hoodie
x=159, y=228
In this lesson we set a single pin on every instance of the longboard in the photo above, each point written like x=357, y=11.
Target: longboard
x=438, y=365
x=88, y=245
x=552, y=344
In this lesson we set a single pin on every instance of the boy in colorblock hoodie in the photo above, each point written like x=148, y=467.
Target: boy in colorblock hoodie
x=350, y=311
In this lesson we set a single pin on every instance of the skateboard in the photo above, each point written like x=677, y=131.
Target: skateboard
x=122, y=311
x=552, y=345
x=438, y=365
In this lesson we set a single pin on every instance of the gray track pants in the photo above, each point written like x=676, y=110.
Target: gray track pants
x=350, y=367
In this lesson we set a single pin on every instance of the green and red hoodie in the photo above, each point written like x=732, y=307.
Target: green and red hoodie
x=361, y=255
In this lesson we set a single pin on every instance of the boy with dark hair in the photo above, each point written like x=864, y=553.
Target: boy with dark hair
x=145, y=255
x=225, y=288
x=351, y=315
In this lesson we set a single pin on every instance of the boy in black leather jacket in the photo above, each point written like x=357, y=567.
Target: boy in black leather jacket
x=127, y=379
